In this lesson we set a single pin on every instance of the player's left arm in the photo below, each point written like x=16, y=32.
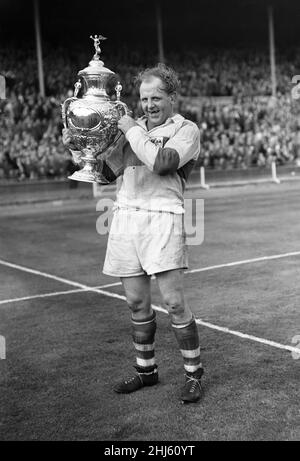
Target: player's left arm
x=176, y=152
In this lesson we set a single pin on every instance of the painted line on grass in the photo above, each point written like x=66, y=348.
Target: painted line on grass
x=191, y=271
x=43, y=274
x=43, y=295
x=246, y=336
x=56, y=293
x=157, y=308
x=245, y=261
x=234, y=263
x=236, y=333
x=58, y=279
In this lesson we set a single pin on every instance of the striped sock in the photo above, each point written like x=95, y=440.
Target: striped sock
x=143, y=332
x=188, y=339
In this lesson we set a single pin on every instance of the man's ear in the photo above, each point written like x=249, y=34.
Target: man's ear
x=173, y=97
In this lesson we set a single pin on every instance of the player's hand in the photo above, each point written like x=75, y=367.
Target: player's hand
x=67, y=139
x=125, y=123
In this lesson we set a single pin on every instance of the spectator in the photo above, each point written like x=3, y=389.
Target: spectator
x=246, y=130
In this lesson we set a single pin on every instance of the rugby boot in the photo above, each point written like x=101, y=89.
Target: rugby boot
x=192, y=390
x=143, y=377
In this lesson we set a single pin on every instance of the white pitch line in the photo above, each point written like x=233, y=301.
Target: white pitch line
x=236, y=333
x=42, y=295
x=108, y=285
x=191, y=271
x=158, y=308
x=58, y=279
x=232, y=264
x=43, y=274
x=246, y=336
x=232, y=332
x=57, y=293
x=245, y=261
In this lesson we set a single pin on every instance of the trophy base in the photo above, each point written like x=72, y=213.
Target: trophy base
x=88, y=176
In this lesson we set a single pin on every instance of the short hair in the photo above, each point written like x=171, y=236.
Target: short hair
x=166, y=74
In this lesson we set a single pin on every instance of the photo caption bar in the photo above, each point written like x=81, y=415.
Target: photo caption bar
x=137, y=450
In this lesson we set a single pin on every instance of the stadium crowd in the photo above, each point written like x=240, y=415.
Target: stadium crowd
x=226, y=93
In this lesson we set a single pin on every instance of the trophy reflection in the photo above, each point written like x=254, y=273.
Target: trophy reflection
x=92, y=120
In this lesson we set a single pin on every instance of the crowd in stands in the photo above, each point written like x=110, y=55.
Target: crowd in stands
x=243, y=128
x=249, y=132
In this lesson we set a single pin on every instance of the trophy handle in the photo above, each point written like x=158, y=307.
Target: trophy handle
x=121, y=106
x=64, y=108
x=123, y=110
x=67, y=102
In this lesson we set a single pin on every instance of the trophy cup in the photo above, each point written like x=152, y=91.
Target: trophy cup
x=93, y=119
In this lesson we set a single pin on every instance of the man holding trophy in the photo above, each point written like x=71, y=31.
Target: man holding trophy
x=153, y=158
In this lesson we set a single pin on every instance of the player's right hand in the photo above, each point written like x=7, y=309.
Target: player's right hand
x=67, y=139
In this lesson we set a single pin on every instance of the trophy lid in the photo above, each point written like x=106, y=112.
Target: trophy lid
x=96, y=66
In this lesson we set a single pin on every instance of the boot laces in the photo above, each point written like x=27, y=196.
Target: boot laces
x=195, y=382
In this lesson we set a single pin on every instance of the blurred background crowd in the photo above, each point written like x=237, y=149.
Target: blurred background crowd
x=227, y=93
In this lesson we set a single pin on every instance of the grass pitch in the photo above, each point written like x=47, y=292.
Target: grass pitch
x=65, y=351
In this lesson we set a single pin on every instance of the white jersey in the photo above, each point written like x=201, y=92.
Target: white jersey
x=154, y=165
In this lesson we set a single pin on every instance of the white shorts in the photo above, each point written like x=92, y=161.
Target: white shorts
x=145, y=242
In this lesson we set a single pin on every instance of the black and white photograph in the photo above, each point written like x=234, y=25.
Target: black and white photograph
x=150, y=223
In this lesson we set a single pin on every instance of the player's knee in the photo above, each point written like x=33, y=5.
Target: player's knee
x=174, y=305
x=137, y=303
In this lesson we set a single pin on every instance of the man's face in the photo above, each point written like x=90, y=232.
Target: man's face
x=156, y=103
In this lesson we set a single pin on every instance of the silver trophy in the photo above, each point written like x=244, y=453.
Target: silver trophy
x=93, y=118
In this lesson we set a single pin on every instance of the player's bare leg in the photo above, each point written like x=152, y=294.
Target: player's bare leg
x=138, y=295
x=185, y=329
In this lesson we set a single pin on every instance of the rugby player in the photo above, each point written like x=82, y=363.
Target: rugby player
x=153, y=161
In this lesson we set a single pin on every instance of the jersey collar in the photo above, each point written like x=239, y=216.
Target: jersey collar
x=174, y=119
